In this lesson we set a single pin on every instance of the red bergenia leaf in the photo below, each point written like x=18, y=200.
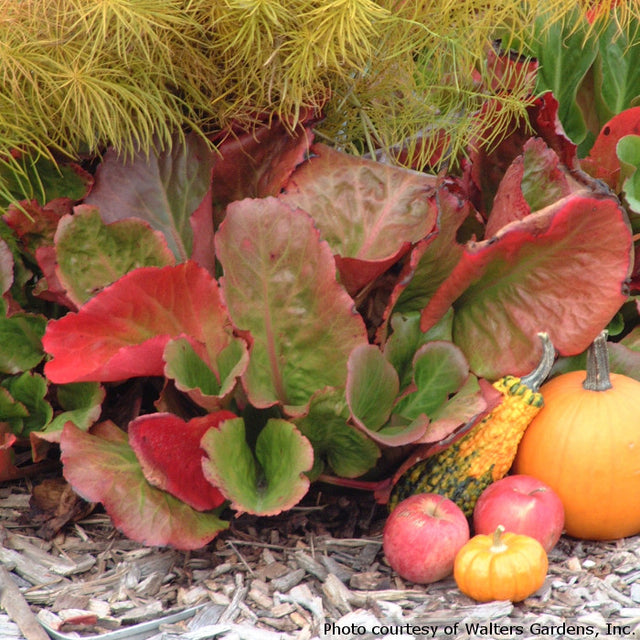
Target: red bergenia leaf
x=562, y=270
x=122, y=331
x=431, y=260
x=368, y=212
x=487, y=167
x=170, y=455
x=49, y=287
x=533, y=181
x=102, y=467
x=603, y=162
x=37, y=226
x=280, y=285
x=257, y=164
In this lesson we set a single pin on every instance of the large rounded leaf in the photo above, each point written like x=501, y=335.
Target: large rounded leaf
x=372, y=392
x=265, y=481
x=102, y=467
x=280, y=285
x=368, y=212
x=169, y=452
x=122, y=331
x=92, y=254
x=562, y=270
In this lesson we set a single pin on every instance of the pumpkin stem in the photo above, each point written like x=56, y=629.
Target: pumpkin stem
x=598, y=378
x=534, y=379
x=497, y=545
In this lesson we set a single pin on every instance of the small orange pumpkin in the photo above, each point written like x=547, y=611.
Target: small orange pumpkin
x=503, y=566
x=585, y=444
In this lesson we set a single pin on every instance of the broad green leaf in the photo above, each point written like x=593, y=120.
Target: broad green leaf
x=628, y=151
x=102, y=467
x=439, y=370
x=81, y=403
x=280, y=284
x=372, y=391
x=372, y=388
x=347, y=451
x=407, y=338
x=29, y=390
x=12, y=412
x=565, y=53
x=42, y=180
x=368, y=212
x=92, y=254
x=21, y=342
x=265, y=481
x=561, y=270
x=188, y=365
x=163, y=188
x=617, y=69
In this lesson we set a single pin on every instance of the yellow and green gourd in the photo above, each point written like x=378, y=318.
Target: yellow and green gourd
x=462, y=471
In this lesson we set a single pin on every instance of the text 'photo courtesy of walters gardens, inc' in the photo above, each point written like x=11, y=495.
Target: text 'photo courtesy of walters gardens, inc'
x=493, y=630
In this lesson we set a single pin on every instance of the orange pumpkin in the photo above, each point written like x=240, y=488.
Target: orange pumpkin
x=585, y=444
x=503, y=566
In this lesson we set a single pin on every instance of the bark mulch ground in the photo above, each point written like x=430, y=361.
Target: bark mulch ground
x=314, y=572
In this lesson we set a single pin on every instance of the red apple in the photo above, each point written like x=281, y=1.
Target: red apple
x=422, y=536
x=522, y=504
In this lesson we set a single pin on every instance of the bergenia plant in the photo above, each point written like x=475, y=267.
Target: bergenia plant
x=207, y=332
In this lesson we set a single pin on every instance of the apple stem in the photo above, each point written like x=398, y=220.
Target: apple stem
x=497, y=545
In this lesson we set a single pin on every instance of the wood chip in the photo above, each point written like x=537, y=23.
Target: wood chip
x=288, y=581
x=337, y=593
x=16, y=606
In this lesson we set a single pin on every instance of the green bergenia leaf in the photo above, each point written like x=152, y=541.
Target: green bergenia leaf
x=266, y=481
x=347, y=451
x=82, y=404
x=407, y=338
x=207, y=379
x=280, y=284
x=43, y=180
x=21, y=342
x=92, y=254
x=29, y=390
x=628, y=150
x=439, y=370
x=372, y=391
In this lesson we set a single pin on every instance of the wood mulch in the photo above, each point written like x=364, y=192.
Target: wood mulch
x=314, y=572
